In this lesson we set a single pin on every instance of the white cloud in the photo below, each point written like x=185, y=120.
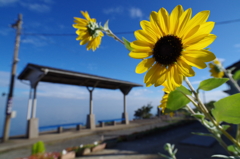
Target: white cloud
x=33, y=41
x=195, y=82
x=7, y=2
x=62, y=91
x=42, y=8
x=135, y=12
x=117, y=10
x=5, y=31
x=237, y=45
x=213, y=95
x=221, y=60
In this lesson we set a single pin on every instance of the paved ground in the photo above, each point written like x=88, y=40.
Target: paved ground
x=149, y=147
x=145, y=148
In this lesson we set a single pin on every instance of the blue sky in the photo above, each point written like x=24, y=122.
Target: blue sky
x=110, y=60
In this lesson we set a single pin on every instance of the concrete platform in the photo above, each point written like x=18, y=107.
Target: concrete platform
x=101, y=132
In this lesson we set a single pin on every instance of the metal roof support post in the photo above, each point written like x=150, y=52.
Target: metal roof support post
x=34, y=102
x=125, y=90
x=90, y=100
x=32, y=122
x=29, y=105
x=124, y=103
x=90, y=116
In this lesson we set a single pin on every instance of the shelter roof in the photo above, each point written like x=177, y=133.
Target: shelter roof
x=61, y=76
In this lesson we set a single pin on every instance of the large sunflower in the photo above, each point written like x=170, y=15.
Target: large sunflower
x=87, y=31
x=169, y=45
x=215, y=69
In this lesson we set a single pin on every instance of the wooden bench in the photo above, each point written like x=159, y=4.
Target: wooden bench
x=59, y=127
x=113, y=121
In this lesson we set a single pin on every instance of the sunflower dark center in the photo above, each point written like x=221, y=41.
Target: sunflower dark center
x=167, y=50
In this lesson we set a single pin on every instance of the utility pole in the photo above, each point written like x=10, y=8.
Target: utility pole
x=17, y=26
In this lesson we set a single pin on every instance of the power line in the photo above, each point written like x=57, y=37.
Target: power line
x=118, y=33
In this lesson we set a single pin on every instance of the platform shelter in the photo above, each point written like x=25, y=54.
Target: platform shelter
x=36, y=73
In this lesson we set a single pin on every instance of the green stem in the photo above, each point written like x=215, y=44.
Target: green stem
x=229, y=75
x=190, y=109
x=206, y=113
x=111, y=34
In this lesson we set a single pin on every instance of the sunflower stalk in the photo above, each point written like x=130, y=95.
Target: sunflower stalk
x=229, y=75
x=207, y=114
x=106, y=29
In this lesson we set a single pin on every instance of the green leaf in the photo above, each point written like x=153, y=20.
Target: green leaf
x=227, y=109
x=225, y=127
x=184, y=90
x=231, y=148
x=105, y=27
x=236, y=75
x=202, y=134
x=212, y=83
x=127, y=44
x=199, y=116
x=176, y=100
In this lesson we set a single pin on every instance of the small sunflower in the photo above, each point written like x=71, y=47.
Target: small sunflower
x=164, y=100
x=88, y=31
x=215, y=69
x=169, y=45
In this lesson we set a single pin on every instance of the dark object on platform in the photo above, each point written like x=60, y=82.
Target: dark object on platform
x=205, y=141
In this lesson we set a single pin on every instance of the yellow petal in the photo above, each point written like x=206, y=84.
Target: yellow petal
x=198, y=19
x=178, y=77
x=194, y=62
x=202, y=43
x=204, y=55
x=140, y=55
x=163, y=20
x=146, y=26
x=144, y=65
x=191, y=32
x=86, y=15
x=144, y=36
x=154, y=24
x=149, y=74
x=158, y=76
x=184, y=18
x=162, y=77
x=184, y=68
x=141, y=45
x=203, y=31
x=174, y=18
x=80, y=21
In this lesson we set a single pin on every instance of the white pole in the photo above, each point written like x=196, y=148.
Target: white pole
x=34, y=103
x=29, y=105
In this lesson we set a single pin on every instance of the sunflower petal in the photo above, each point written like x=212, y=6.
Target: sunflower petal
x=198, y=19
x=174, y=18
x=140, y=46
x=194, y=62
x=184, y=68
x=149, y=74
x=184, y=18
x=202, y=43
x=139, y=55
x=204, y=55
x=144, y=65
x=159, y=75
x=86, y=15
x=163, y=20
x=144, y=36
x=154, y=24
x=202, y=32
